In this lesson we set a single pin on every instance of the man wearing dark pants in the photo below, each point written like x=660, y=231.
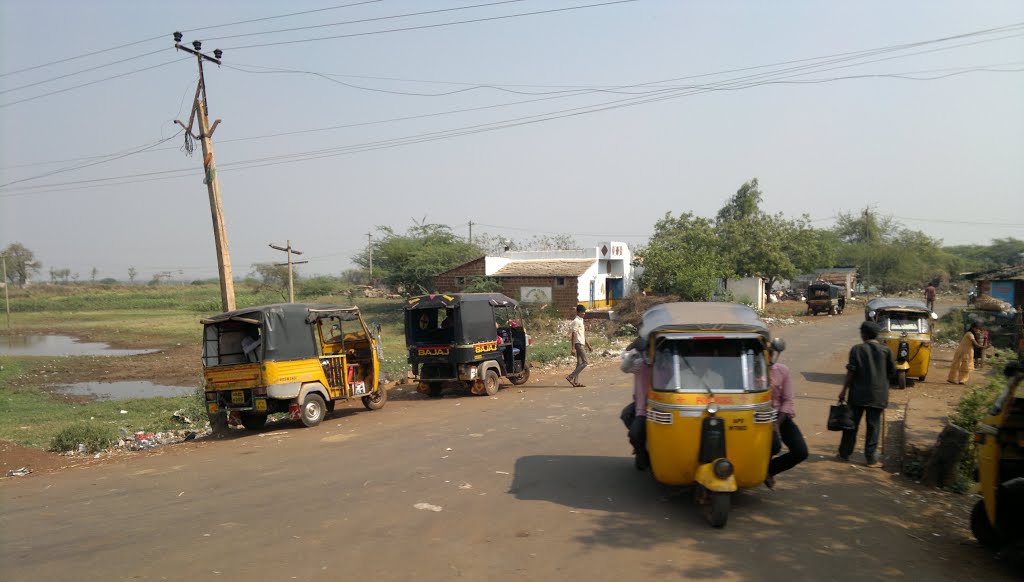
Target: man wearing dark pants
x=786, y=430
x=577, y=342
x=868, y=374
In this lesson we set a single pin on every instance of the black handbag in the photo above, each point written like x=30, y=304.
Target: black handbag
x=840, y=417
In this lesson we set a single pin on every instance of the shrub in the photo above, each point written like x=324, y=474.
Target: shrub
x=96, y=437
x=950, y=326
x=318, y=287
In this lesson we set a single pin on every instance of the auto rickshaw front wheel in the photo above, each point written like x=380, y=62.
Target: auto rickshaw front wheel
x=313, y=410
x=982, y=529
x=717, y=509
x=901, y=379
x=254, y=420
x=376, y=401
x=491, y=382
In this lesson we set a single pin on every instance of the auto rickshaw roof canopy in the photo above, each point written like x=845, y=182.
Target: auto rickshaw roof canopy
x=285, y=327
x=445, y=300
x=704, y=316
x=897, y=303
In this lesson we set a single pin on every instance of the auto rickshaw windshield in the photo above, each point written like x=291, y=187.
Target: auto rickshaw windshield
x=709, y=366
x=905, y=322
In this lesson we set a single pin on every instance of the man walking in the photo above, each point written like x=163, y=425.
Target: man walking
x=929, y=296
x=577, y=342
x=867, y=382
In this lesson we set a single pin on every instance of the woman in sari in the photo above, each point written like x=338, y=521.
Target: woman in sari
x=963, y=358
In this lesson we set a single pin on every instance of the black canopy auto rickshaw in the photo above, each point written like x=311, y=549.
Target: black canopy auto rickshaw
x=998, y=518
x=824, y=297
x=906, y=327
x=297, y=358
x=473, y=339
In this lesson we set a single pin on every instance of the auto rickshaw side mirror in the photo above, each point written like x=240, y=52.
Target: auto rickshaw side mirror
x=935, y=315
x=779, y=344
x=871, y=314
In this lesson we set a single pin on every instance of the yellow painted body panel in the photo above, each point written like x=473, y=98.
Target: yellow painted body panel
x=674, y=448
x=235, y=377
x=920, y=350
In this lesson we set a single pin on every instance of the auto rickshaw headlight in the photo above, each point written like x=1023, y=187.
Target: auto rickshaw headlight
x=712, y=408
x=723, y=468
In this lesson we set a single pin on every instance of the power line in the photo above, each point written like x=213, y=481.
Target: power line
x=425, y=26
x=103, y=161
x=73, y=87
x=162, y=36
x=604, y=234
x=361, y=20
x=72, y=74
x=668, y=93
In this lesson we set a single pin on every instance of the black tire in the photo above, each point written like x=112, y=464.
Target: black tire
x=982, y=529
x=330, y=405
x=377, y=400
x=901, y=379
x=717, y=509
x=434, y=389
x=491, y=382
x=254, y=420
x=921, y=379
x=218, y=422
x=522, y=378
x=313, y=410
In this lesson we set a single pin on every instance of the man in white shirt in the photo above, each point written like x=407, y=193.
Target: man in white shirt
x=577, y=342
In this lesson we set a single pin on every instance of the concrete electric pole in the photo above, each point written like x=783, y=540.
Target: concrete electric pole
x=291, y=279
x=7, y=299
x=201, y=110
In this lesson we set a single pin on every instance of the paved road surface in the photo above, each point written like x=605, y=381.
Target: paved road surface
x=535, y=484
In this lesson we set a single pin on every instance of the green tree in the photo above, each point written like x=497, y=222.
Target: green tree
x=682, y=258
x=92, y=274
x=21, y=263
x=273, y=277
x=132, y=272
x=413, y=259
x=745, y=204
x=1002, y=252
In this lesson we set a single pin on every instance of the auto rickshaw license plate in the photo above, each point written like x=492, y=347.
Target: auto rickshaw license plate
x=261, y=405
x=237, y=397
x=358, y=388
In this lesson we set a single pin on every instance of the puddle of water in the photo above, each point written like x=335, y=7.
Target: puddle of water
x=59, y=345
x=123, y=390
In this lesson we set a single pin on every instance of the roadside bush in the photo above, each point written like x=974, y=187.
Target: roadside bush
x=195, y=407
x=973, y=406
x=950, y=326
x=318, y=287
x=96, y=437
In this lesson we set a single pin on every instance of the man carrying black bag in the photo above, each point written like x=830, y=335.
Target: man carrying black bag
x=868, y=373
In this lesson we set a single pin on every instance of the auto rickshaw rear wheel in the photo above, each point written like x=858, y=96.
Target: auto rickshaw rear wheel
x=717, y=509
x=434, y=389
x=982, y=529
x=521, y=378
x=901, y=379
x=254, y=420
x=313, y=410
x=377, y=400
x=921, y=379
x=491, y=382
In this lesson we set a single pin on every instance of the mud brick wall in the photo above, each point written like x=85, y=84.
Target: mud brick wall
x=445, y=282
x=565, y=298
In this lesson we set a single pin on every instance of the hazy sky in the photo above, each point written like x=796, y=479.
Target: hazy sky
x=943, y=155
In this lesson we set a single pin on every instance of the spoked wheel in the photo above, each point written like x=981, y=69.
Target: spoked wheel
x=377, y=400
x=254, y=420
x=901, y=379
x=717, y=509
x=313, y=410
x=520, y=379
x=491, y=382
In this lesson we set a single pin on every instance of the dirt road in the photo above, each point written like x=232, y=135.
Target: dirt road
x=534, y=484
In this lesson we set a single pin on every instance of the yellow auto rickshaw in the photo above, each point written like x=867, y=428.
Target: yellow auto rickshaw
x=906, y=328
x=298, y=358
x=998, y=519
x=709, y=409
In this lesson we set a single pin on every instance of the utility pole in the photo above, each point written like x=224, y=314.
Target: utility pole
x=7, y=299
x=470, y=232
x=201, y=110
x=291, y=280
x=369, y=248
x=867, y=239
